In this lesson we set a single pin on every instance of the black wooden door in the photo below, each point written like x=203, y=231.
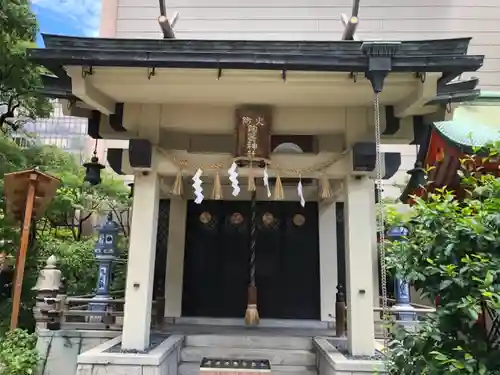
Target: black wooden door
x=216, y=259
x=288, y=260
x=217, y=254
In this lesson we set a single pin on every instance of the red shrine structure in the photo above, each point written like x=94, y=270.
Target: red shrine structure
x=445, y=145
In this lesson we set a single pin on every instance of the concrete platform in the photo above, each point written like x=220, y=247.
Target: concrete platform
x=249, y=341
x=238, y=330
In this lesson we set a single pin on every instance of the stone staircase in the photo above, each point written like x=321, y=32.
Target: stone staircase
x=288, y=355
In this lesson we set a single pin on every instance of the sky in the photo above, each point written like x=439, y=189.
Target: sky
x=67, y=17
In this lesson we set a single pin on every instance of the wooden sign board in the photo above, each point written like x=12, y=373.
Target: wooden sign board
x=16, y=192
x=27, y=195
x=253, y=131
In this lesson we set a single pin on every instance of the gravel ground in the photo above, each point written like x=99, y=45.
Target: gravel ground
x=378, y=356
x=155, y=340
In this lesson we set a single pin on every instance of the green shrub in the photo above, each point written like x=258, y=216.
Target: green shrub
x=18, y=355
x=453, y=252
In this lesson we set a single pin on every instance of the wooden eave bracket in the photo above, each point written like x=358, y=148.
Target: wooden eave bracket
x=115, y=160
x=109, y=127
x=84, y=90
x=416, y=102
x=459, y=91
x=74, y=109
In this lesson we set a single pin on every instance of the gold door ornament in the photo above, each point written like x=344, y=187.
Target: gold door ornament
x=208, y=221
x=268, y=219
x=298, y=220
x=269, y=222
x=236, y=218
x=205, y=217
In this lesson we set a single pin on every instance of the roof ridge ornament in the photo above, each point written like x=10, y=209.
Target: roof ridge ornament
x=380, y=56
x=351, y=23
x=167, y=26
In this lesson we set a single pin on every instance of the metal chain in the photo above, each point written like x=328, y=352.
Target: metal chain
x=380, y=219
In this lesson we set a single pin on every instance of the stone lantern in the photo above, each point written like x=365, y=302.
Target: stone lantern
x=47, y=288
x=401, y=286
x=105, y=252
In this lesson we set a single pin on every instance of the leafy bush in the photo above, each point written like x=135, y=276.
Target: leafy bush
x=18, y=354
x=75, y=260
x=453, y=252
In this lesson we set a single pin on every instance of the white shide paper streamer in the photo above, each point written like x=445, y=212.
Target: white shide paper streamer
x=266, y=182
x=300, y=192
x=233, y=177
x=198, y=190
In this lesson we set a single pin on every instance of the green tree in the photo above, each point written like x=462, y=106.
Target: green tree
x=60, y=230
x=75, y=201
x=20, y=79
x=453, y=252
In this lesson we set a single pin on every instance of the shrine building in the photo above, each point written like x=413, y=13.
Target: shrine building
x=254, y=165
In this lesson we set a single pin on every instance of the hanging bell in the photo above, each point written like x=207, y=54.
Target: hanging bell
x=131, y=186
x=93, y=171
x=417, y=182
x=418, y=177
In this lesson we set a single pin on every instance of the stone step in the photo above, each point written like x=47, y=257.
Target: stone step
x=187, y=368
x=275, y=356
x=296, y=324
x=250, y=341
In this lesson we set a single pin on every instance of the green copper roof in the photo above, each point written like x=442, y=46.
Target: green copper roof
x=489, y=95
x=486, y=98
x=467, y=135
x=474, y=125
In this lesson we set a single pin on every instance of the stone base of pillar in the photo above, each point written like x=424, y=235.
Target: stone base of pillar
x=332, y=361
x=105, y=358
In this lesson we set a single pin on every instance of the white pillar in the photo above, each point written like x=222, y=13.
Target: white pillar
x=359, y=266
x=328, y=258
x=141, y=261
x=175, y=257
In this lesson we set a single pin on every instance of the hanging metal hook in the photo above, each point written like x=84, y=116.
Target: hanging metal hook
x=151, y=72
x=283, y=75
x=219, y=74
x=354, y=76
x=87, y=71
x=422, y=76
x=95, y=147
x=448, y=107
x=71, y=103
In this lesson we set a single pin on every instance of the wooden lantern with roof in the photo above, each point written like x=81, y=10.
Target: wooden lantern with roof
x=27, y=195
